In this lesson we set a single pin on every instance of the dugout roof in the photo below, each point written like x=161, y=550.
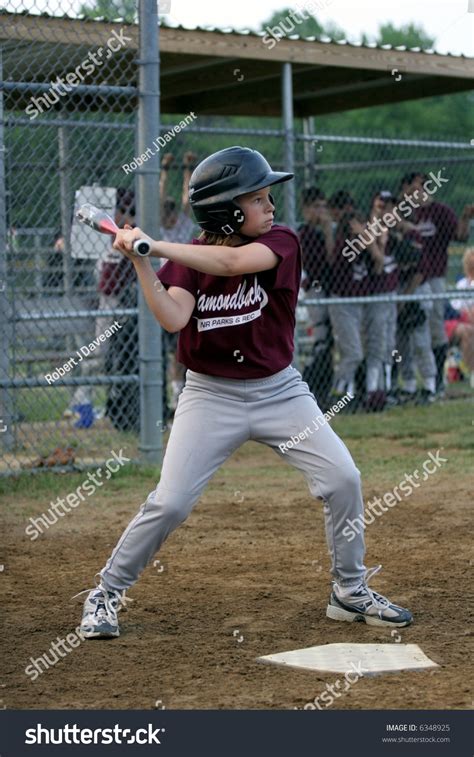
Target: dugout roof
x=224, y=71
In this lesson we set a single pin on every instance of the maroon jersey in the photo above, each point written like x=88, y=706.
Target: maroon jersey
x=387, y=281
x=349, y=277
x=436, y=223
x=242, y=327
x=313, y=249
x=418, y=264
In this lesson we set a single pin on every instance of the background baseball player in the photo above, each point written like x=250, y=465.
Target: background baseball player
x=232, y=294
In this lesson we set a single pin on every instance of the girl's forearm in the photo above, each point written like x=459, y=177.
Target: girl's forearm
x=213, y=259
x=165, y=309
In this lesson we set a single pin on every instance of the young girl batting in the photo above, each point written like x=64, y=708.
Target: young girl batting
x=232, y=296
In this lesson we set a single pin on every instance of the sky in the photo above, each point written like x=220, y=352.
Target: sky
x=450, y=22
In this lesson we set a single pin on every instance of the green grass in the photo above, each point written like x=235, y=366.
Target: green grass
x=37, y=404
x=50, y=484
x=417, y=422
x=384, y=446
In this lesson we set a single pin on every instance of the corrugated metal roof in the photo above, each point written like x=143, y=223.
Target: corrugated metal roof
x=356, y=75
x=323, y=39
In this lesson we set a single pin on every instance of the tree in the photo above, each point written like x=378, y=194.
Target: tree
x=449, y=114
x=307, y=27
x=409, y=35
x=111, y=9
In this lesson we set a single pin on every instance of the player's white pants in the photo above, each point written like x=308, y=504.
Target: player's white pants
x=416, y=351
x=351, y=322
x=436, y=316
x=214, y=417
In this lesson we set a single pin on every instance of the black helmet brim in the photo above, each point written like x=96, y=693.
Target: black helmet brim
x=273, y=177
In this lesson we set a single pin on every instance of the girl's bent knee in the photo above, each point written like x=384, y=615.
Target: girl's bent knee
x=347, y=479
x=173, y=506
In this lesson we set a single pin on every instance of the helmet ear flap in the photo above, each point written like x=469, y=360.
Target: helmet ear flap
x=237, y=219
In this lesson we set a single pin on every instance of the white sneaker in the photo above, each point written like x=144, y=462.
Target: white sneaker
x=363, y=604
x=99, y=617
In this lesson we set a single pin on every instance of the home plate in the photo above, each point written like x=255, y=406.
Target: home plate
x=369, y=659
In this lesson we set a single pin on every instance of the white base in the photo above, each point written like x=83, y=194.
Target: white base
x=370, y=659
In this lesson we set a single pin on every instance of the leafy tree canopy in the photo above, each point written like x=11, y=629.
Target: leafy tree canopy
x=409, y=35
x=448, y=114
x=111, y=9
x=309, y=27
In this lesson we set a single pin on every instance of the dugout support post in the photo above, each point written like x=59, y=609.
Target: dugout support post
x=308, y=151
x=289, y=158
x=6, y=404
x=66, y=202
x=289, y=143
x=148, y=210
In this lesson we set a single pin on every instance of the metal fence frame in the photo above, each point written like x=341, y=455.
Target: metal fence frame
x=150, y=377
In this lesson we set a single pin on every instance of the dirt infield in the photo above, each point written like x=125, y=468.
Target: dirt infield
x=246, y=575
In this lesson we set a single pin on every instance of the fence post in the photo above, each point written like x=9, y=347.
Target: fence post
x=308, y=151
x=148, y=207
x=6, y=404
x=289, y=186
x=289, y=139
x=66, y=220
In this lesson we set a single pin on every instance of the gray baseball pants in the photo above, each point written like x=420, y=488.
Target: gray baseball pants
x=350, y=323
x=436, y=317
x=213, y=418
x=416, y=351
x=390, y=342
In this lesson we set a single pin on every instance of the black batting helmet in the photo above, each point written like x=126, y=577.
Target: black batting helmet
x=223, y=176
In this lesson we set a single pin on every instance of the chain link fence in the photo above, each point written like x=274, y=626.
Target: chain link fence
x=397, y=214
x=69, y=370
